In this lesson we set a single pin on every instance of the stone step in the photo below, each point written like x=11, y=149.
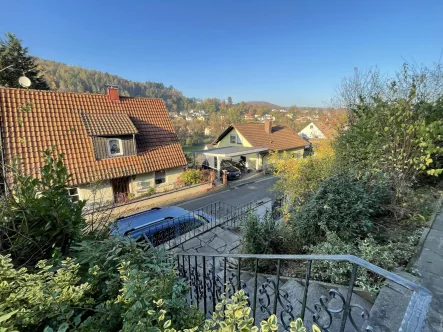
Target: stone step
x=387, y=311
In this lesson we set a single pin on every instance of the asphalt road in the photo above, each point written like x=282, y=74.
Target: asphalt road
x=236, y=196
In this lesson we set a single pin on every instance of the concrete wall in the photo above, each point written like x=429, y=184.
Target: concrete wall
x=101, y=193
x=161, y=199
x=313, y=132
x=142, y=182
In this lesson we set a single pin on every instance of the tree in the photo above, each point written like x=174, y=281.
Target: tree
x=229, y=102
x=13, y=54
x=395, y=125
x=235, y=116
x=299, y=178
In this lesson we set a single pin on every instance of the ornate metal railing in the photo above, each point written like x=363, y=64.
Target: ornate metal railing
x=211, y=275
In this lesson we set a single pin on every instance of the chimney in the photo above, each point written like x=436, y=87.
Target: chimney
x=112, y=92
x=268, y=126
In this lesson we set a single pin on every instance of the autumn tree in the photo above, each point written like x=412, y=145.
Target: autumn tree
x=18, y=62
x=299, y=178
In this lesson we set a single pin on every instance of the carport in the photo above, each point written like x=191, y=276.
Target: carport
x=215, y=156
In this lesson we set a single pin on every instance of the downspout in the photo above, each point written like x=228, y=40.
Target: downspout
x=2, y=156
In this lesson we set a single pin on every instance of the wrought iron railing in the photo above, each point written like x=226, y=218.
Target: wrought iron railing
x=211, y=275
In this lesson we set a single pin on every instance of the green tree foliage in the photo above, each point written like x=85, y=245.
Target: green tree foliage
x=189, y=132
x=39, y=214
x=76, y=79
x=395, y=126
x=12, y=53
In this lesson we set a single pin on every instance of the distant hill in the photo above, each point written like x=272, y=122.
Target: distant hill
x=62, y=77
x=264, y=103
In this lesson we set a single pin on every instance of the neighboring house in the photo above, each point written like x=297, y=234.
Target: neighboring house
x=317, y=130
x=273, y=137
x=114, y=146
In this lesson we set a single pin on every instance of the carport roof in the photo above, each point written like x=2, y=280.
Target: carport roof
x=231, y=151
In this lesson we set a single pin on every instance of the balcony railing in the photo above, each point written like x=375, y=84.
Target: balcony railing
x=333, y=309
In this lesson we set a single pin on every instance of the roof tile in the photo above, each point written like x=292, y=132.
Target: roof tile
x=55, y=120
x=281, y=138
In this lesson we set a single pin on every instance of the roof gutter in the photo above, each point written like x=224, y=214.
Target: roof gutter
x=2, y=156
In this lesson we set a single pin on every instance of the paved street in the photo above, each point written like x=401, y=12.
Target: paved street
x=235, y=196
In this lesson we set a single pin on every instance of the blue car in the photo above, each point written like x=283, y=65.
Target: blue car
x=159, y=225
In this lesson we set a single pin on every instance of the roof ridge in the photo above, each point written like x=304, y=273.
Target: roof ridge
x=75, y=93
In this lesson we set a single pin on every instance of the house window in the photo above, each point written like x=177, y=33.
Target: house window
x=238, y=140
x=233, y=138
x=73, y=193
x=115, y=147
x=311, y=126
x=160, y=177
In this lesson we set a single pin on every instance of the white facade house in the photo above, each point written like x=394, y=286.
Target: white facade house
x=312, y=131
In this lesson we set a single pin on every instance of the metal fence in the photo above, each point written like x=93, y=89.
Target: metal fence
x=211, y=275
x=176, y=231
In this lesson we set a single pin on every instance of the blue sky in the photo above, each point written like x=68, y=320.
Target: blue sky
x=284, y=52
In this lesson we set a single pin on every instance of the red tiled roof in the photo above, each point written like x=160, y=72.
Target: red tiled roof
x=328, y=131
x=108, y=124
x=54, y=119
x=281, y=138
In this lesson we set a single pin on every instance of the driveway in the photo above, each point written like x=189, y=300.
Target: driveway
x=236, y=196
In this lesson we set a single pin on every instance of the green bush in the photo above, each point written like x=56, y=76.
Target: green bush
x=387, y=256
x=39, y=215
x=344, y=205
x=191, y=176
x=109, y=285
x=263, y=236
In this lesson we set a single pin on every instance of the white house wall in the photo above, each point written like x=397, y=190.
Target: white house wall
x=312, y=131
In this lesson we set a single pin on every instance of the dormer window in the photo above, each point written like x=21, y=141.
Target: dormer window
x=115, y=147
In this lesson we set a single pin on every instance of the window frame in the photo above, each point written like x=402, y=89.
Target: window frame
x=161, y=179
x=75, y=194
x=233, y=139
x=239, y=141
x=109, y=147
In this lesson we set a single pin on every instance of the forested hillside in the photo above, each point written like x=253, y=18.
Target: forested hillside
x=62, y=77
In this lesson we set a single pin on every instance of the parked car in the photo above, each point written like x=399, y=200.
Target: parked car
x=159, y=225
x=233, y=172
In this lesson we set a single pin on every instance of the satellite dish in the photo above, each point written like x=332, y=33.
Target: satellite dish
x=24, y=82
